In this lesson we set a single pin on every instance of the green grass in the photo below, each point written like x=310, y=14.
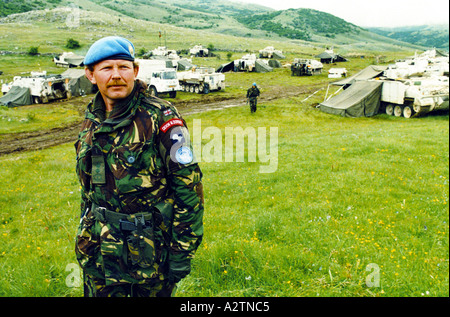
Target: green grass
x=38, y=215
x=34, y=118
x=347, y=193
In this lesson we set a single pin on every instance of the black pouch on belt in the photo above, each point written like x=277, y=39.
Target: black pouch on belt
x=140, y=242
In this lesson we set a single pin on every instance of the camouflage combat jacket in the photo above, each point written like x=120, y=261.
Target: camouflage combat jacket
x=130, y=163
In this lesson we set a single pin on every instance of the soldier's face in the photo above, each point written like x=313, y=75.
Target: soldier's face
x=114, y=78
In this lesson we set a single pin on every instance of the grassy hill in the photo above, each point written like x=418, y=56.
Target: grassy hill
x=295, y=26
x=300, y=24
x=429, y=36
x=8, y=7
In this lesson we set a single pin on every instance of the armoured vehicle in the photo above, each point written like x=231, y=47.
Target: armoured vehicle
x=415, y=96
x=201, y=80
x=306, y=67
x=165, y=52
x=43, y=87
x=271, y=52
x=416, y=85
x=246, y=63
x=199, y=51
x=68, y=59
x=159, y=78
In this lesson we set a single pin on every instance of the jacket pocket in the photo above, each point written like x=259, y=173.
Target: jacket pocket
x=87, y=241
x=134, y=169
x=84, y=163
x=141, y=247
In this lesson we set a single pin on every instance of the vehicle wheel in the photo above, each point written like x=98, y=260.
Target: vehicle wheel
x=172, y=94
x=408, y=112
x=390, y=109
x=398, y=111
x=201, y=89
x=196, y=89
x=36, y=99
x=192, y=88
x=153, y=91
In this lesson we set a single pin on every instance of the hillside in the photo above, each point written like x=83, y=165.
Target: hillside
x=429, y=36
x=300, y=24
x=8, y=7
x=183, y=19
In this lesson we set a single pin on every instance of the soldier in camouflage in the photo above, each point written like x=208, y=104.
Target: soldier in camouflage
x=252, y=96
x=141, y=191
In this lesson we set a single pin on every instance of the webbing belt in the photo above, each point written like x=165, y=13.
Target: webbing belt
x=104, y=215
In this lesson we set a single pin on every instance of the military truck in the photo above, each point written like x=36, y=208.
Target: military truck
x=159, y=78
x=201, y=80
x=306, y=67
x=43, y=87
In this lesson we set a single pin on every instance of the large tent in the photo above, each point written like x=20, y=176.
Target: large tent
x=79, y=85
x=361, y=99
x=261, y=67
x=367, y=73
x=278, y=55
x=229, y=67
x=184, y=64
x=17, y=96
x=328, y=58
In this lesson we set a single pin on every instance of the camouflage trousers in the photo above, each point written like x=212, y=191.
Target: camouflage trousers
x=253, y=102
x=95, y=287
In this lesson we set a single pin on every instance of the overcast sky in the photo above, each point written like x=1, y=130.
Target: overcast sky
x=381, y=13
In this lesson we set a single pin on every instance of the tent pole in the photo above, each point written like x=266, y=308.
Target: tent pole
x=328, y=87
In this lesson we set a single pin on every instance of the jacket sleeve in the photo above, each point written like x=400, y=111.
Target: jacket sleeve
x=184, y=181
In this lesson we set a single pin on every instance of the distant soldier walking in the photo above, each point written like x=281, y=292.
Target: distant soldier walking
x=141, y=190
x=252, y=96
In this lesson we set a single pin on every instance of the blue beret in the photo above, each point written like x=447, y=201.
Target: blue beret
x=111, y=47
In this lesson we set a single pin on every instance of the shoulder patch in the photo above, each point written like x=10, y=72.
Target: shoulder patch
x=171, y=123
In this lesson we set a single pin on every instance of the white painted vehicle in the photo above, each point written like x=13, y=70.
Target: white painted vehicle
x=337, y=72
x=43, y=87
x=159, y=78
x=199, y=51
x=201, y=80
x=415, y=96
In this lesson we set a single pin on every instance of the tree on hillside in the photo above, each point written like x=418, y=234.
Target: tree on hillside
x=72, y=44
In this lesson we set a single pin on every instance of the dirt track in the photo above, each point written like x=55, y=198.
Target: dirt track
x=30, y=141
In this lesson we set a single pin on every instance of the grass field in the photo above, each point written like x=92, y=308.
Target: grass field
x=354, y=202
x=357, y=207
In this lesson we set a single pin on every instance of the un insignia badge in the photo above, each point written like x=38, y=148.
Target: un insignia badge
x=184, y=155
